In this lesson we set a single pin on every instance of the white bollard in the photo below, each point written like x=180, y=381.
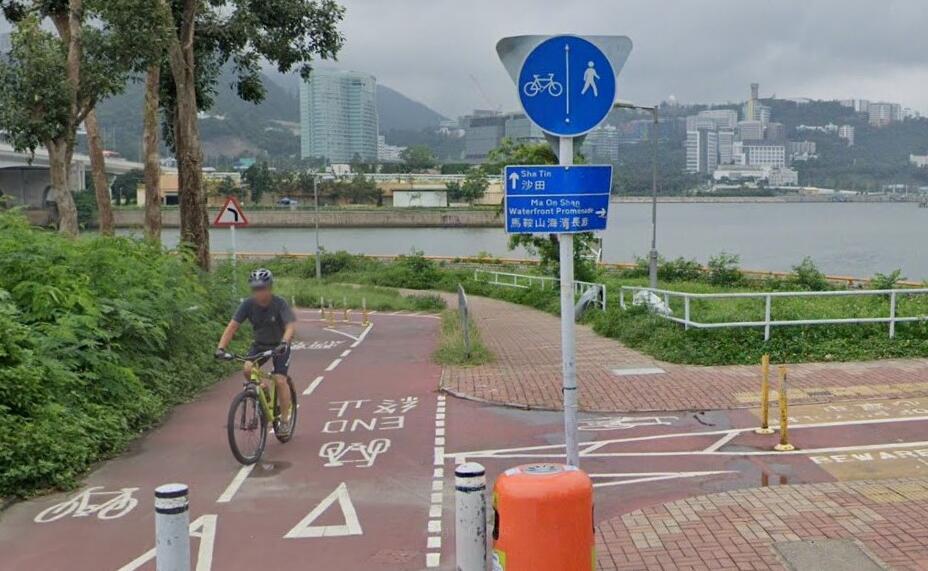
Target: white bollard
x=470, y=484
x=172, y=528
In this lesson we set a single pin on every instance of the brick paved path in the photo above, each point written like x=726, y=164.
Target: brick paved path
x=527, y=371
x=738, y=530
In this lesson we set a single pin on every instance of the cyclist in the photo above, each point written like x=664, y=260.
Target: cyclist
x=274, y=323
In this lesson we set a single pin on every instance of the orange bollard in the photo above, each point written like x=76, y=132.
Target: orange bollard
x=543, y=519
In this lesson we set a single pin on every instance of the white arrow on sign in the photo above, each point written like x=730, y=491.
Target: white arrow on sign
x=601, y=213
x=351, y=526
x=515, y=179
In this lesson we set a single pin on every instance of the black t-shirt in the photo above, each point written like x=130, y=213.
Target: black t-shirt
x=268, y=322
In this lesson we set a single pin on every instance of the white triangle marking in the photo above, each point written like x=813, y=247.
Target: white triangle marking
x=351, y=526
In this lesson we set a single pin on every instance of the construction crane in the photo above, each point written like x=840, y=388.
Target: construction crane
x=483, y=94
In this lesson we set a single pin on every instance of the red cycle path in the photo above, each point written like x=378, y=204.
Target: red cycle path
x=367, y=481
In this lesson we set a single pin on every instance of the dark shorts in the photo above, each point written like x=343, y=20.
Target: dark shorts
x=281, y=362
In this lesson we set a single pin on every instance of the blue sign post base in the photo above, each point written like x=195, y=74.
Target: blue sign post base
x=557, y=199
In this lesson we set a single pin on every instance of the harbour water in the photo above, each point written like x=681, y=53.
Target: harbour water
x=843, y=238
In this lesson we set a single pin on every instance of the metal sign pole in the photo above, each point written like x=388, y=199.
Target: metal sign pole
x=234, y=264
x=568, y=349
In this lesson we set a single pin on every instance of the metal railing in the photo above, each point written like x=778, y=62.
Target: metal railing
x=525, y=281
x=769, y=322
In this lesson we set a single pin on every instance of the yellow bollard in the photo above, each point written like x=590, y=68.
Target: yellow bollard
x=321, y=308
x=330, y=319
x=784, y=445
x=347, y=318
x=365, y=321
x=764, y=397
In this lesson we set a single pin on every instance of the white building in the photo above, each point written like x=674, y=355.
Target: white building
x=602, y=144
x=702, y=151
x=750, y=130
x=882, y=114
x=723, y=118
x=846, y=132
x=726, y=147
x=338, y=116
x=921, y=161
x=764, y=155
x=801, y=150
x=388, y=153
x=772, y=175
x=783, y=177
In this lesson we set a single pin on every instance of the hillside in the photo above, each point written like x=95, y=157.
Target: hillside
x=234, y=127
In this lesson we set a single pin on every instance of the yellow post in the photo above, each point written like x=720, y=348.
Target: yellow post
x=764, y=396
x=321, y=307
x=331, y=317
x=365, y=321
x=784, y=445
x=347, y=313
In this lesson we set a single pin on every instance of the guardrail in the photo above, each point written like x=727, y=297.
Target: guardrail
x=769, y=322
x=525, y=281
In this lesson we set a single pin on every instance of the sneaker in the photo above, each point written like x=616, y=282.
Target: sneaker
x=283, y=427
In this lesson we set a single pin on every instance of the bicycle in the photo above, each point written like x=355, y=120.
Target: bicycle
x=251, y=409
x=541, y=84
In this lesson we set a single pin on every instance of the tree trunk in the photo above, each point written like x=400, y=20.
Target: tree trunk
x=194, y=222
x=101, y=185
x=152, y=165
x=58, y=165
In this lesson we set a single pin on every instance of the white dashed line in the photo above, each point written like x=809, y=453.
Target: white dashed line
x=433, y=543
x=333, y=364
x=345, y=353
x=235, y=484
x=312, y=386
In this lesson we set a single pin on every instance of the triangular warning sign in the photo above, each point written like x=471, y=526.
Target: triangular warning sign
x=350, y=527
x=231, y=214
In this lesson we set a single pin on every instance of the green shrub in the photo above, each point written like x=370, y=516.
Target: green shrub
x=807, y=276
x=98, y=338
x=679, y=270
x=886, y=281
x=414, y=272
x=724, y=271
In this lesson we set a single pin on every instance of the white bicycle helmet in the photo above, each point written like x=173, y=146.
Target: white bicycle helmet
x=261, y=277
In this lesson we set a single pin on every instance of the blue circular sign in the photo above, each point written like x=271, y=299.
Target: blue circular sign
x=566, y=86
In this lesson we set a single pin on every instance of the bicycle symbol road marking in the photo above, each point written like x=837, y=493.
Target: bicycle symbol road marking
x=624, y=422
x=119, y=504
x=364, y=455
x=541, y=84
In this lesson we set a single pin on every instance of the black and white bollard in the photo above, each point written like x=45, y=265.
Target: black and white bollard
x=470, y=484
x=172, y=528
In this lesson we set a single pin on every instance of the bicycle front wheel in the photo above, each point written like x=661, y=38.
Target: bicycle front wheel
x=247, y=428
x=288, y=434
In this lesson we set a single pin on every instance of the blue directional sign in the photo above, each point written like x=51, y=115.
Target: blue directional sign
x=557, y=199
x=566, y=86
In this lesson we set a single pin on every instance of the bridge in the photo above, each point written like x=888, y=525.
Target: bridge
x=28, y=183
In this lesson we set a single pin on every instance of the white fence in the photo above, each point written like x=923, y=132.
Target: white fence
x=524, y=281
x=892, y=319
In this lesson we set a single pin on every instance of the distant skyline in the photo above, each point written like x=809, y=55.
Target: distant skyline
x=700, y=52
x=442, y=53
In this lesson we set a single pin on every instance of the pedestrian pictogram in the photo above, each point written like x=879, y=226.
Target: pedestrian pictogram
x=231, y=214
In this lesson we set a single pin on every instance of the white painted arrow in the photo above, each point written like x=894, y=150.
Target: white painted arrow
x=601, y=213
x=515, y=179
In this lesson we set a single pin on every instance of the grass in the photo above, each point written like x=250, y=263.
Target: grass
x=451, y=348
x=307, y=293
x=660, y=338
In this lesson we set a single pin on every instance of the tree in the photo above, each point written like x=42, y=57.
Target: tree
x=474, y=186
x=207, y=35
x=259, y=179
x=418, y=158
x=101, y=184
x=51, y=82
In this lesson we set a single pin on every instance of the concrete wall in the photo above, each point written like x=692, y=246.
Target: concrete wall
x=385, y=218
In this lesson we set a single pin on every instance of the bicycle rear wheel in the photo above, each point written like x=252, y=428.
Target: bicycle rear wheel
x=293, y=411
x=247, y=427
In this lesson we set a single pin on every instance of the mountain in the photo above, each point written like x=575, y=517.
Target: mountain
x=234, y=127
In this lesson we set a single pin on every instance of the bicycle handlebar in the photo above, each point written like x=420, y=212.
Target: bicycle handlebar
x=263, y=355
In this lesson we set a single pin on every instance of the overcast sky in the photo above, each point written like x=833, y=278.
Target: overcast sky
x=698, y=50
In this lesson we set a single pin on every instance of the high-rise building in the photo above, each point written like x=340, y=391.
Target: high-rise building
x=846, y=132
x=338, y=116
x=602, y=144
x=724, y=118
x=750, y=110
x=726, y=146
x=801, y=150
x=521, y=129
x=764, y=154
x=750, y=130
x=702, y=151
x=388, y=153
x=775, y=132
x=880, y=114
x=483, y=132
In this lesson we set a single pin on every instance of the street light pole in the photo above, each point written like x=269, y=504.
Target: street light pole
x=652, y=254
x=316, y=222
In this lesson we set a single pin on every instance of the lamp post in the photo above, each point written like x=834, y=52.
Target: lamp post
x=652, y=255
x=316, y=223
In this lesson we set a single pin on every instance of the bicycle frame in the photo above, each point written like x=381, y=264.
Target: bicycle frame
x=266, y=396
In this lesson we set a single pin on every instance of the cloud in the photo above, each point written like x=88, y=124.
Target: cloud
x=441, y=52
